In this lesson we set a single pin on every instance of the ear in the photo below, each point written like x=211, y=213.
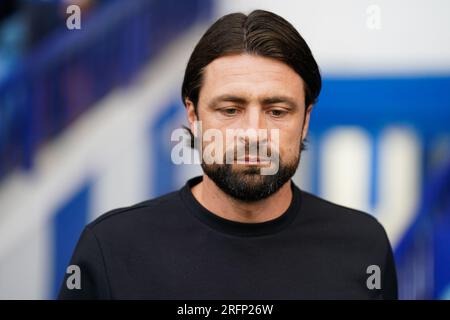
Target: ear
x=306, y=121
x=190, y=113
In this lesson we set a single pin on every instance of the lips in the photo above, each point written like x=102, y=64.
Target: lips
x=252, y=160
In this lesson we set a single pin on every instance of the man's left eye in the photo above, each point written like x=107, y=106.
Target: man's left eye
x=229, y=111
x=277, y=112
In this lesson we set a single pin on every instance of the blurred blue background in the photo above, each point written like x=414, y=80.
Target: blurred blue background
x=86, y=117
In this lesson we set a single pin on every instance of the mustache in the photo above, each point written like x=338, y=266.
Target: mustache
x=264, y=152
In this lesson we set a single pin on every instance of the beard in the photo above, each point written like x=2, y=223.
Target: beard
x=246, y=183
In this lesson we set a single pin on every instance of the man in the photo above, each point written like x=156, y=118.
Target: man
x=236, y=233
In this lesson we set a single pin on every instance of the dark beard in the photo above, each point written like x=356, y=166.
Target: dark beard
x=248, y=185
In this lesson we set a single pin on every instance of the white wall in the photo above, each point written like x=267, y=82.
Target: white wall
x=413, y=37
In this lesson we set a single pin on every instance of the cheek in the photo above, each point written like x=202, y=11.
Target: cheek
x=214, y=136
x=210, y=121
x=289, y=142
x=289, y=151
x=290, y=128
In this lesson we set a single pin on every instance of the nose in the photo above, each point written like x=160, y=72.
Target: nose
x=254, y=122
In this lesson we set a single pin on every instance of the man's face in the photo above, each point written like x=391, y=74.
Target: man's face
x=252, y=92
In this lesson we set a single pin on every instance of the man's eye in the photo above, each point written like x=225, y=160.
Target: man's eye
x=277, y=113
x=230, y=111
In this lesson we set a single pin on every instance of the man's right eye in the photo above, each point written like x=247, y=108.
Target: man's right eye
x=229, y=111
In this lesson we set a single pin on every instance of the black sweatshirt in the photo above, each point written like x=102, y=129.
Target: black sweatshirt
x=172, y=247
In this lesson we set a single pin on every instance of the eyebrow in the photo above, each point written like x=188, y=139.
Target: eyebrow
x=280, y=99
x=228, y=98
x=264, y=101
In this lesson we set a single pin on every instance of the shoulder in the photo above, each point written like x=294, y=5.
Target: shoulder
x=145, y=215
x=343, y=220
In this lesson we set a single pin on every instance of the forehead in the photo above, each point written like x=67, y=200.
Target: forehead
x=250, y=75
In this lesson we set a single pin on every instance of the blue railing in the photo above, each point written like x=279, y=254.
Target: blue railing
x=423, y=254
x=73, y=69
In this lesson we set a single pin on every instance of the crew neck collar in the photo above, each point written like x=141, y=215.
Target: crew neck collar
x=240, y=228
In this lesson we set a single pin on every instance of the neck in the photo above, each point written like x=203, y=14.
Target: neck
x=209, y=195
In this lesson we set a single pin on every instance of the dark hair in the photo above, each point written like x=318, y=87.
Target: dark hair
x=261, y=33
